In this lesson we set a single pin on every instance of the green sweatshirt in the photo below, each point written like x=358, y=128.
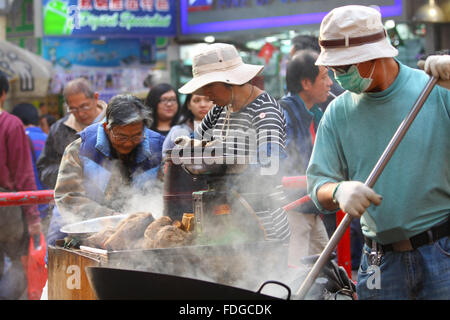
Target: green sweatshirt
x=415, y=185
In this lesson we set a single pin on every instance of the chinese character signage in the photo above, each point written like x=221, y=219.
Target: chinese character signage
x=109, y=17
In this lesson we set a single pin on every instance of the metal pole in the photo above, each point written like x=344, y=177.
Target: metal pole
x=370, y=182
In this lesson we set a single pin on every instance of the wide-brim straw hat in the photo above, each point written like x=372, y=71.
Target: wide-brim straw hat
x=219, y=62
x=353, y=34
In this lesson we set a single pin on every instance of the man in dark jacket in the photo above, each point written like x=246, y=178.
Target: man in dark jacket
x=305, y=42
x=308, y=85
x=83, y=109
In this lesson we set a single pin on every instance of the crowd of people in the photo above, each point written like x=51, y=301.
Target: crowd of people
x=346, y=94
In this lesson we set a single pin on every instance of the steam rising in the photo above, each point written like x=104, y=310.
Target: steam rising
x=239, y=256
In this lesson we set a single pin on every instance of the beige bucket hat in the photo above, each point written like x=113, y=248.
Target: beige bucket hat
x=353, y=34
x=219, y=62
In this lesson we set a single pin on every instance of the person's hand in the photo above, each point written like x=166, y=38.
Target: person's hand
x=213, y=143
x=354, y=197
x=437, y=66
x=34, y=229
x=184, y=141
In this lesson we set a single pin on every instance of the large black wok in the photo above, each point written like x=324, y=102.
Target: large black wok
x=115, y=283
x=112, y=284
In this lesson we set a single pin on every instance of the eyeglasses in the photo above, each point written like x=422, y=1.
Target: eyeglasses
x=79, y=109
x=123, y=139
x=167, y=100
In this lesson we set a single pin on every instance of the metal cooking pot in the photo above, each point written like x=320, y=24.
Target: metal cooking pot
x=214, y=166
x=111, y=284
x=84, y=229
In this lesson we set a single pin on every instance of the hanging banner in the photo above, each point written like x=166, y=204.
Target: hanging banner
x=28, y=73
x=112, y=66
x=66, y=52
x=109, y=17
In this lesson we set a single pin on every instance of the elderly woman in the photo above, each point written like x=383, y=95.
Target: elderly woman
x=241, y=109
x=245, y=121
x=110, y=162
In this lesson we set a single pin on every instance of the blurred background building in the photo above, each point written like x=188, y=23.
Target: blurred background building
x=129, y=45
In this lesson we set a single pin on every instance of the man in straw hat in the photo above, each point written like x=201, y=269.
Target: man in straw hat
x=244, y=121
x=404, y=217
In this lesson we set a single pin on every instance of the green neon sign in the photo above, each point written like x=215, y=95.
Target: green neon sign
x=58, y=21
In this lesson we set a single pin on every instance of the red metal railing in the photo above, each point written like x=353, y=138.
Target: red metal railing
x=23, y=198
x=294, y=182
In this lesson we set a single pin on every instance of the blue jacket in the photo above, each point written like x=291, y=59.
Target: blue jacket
x=299, y=142
x=95, y=153
x=38, y=138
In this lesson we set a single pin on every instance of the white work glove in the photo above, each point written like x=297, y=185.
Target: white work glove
x=437, y=66
x=354, y=197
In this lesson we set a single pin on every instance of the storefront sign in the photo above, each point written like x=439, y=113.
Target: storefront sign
x=66, y=52
x=209, y=16
x=109, y=17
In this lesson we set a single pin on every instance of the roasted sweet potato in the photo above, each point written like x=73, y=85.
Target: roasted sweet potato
x=98, y=239
x=171, y=236
x=155, y=226
x=129, y=231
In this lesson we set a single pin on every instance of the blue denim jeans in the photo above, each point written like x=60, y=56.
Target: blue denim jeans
x=423, y=273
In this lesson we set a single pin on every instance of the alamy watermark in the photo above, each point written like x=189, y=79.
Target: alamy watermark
x=374, y=280
x=74, y=279
x=249, y=147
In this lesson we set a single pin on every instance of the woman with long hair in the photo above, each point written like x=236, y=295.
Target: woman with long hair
x=193, y=111
x=163, y=102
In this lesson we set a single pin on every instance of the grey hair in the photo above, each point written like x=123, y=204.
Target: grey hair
x=124, y=109
x=79, y=85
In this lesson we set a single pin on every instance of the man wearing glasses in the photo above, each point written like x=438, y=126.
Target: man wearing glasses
x=405, y=216
x=110, y=165
x=83, y=108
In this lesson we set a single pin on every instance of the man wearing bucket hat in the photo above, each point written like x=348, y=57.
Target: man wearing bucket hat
x=404, y=217
x=244, y=121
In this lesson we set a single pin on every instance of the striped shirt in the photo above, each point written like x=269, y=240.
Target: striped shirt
x=245, y=131
x=248, y=132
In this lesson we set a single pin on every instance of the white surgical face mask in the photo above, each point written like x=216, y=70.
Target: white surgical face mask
x=353, y=81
